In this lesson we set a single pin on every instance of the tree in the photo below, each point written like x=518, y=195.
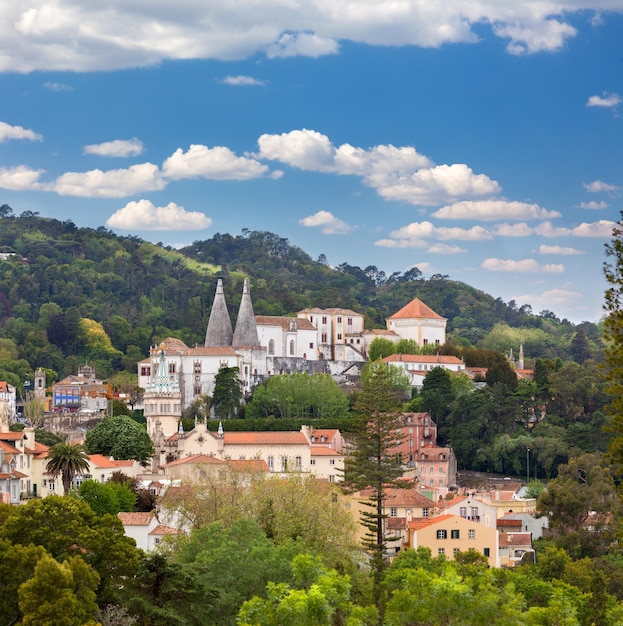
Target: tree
x=581, y=504
x=67, y=460
x=66, y=527
x=613, y=339
x=381, y=348
x=437, y=393
x=372, y=464
x=59, y=594
x=227, y=392
x=120, y=437
x=109, y=497
x=580, y=350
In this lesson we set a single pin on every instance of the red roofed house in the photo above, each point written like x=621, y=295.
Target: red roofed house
x=417, y=366
x=145, y=529
x=418, y=322
x=449, y=534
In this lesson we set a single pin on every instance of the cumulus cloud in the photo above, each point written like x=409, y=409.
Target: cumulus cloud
x=522, y=266
x=20, y=178
x=116, y=148
x=607, y=100
x=598, y=186
x=110, y=184
x=551, y=299
x=520, y=229
x=57, y=86
x=301, y=44
x=143, y=215
x=601, y=229
x=243, y=81
x=88, y=36
x=8, y=132
x=559, y=250
x=444, y=248
x=414, y=235
x=594, y=205
x=493, y=210
x=218, y=163
x=328, y=223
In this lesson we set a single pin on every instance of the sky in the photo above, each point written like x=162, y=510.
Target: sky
x=476, y=139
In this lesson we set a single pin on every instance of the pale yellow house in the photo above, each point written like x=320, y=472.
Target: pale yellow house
x=449, y=534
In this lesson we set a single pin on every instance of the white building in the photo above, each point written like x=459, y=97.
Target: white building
x=417, y=366
x=418, y=322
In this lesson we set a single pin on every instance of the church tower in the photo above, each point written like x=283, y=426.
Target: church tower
x=219, y=332
x=163, y=401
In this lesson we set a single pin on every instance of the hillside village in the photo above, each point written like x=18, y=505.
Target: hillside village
x=497, y=522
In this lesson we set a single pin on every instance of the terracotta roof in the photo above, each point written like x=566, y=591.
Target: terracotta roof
x=128, y=463
x=11, y=436
x=166, y=530
x=302, y=323
x=249, y=465
x=38, y=448
x=323, y=450
x=135, y=519
x=515, y=539
x=380, y=331
x=423, y=358
x=396, y=523
x=424, y=522
x=193, y=459
x=101, y=462
x=338, y=311
x=416, y=309
x=276, y=438
x=176, y=347
x=5, y=387
x=8, y=448
x=508, y=523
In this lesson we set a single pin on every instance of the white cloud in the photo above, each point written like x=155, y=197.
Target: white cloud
x=20, y=178
x=401, y=243
x=218, y=163
x=559, y=250
x=110, y=184
x=494, y=210
x=143, y=215
x=594, y=205
x=243, y=81
x=88, y=36
x=546, y=229
x=57, y=86
x=523, y=266
x=426, y=230
x=520, y=229
x=8, y=132
x=301, y=44
x=598, y=186
x=116, y=148
x=552, y=299
x=444, y=248
x=601, y=229
x=607, y=100
x=329, y=224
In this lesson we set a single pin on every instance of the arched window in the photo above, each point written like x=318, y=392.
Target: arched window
x=291, y=347
x=271, y=347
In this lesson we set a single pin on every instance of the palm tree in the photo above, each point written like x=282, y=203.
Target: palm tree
x=67, y=459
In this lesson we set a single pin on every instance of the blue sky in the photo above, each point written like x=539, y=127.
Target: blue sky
x=469, y=139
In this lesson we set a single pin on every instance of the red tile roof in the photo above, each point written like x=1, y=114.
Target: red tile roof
x=423, y=358
x=416, y=309
x=302, y=323
x=101, y=462
x=135, y=519
x=166, y=530
x=194, y=459
x=275, y=438
x=317, y=450
x=424, y=522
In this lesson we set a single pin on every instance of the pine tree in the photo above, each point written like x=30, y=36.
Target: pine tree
x=227, y=392
x=372, y=465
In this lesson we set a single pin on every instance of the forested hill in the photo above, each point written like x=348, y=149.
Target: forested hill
x=54, y=275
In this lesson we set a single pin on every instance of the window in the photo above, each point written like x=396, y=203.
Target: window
x=299, y=462
x=311, y=346
x=331, y=461
x=312, y=462
x=471, y=533
x=463, y=511
x=291, y=348
x=436, y=342
x=339, y=320
x=425, y=512
x=156, y=540
x=441, y=551
x=442, y=534
x=271, y=347
x=323, y=338
x=51, y=485
x=441, y=469
x=171, y=368
x=197, y=390
x=425, y=342
x=271, y=462
x=332, y=478
x=324, y=320
x=349, y=321
x=145, y=371
x=456, y=551
x=284, y=464
x=431, y=469
x=339, y=336
x=393, y=512
x=455, y=534
x=197, y=367
x=475, y=512
x=432, y=482
x=486, y=552
x=440, y=482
